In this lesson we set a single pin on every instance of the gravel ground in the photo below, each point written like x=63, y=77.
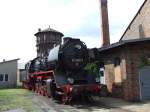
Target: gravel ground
x=49, y=105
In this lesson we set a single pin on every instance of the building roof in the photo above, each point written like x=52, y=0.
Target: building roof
x=49, y=30
x=121, y=43
x=10, y=61
x=133, y=19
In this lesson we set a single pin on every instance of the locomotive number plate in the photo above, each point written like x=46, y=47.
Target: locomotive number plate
x=77, y=60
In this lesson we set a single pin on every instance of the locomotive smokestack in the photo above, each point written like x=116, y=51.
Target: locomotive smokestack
x=104, y=23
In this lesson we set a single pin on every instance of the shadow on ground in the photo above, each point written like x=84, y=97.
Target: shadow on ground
x=111, y=104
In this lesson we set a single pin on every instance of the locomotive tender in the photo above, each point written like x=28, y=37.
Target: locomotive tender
x=61, y=75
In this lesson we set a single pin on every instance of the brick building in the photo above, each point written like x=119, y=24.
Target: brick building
x=122, y=63
x=125, y=64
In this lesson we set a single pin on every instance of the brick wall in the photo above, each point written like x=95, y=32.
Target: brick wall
x=133, y=63
x=108, y=59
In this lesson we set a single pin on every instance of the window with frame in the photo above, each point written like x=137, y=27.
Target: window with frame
x=1, y=77
x=117, y=70
x=6, y=77
x=117, y=62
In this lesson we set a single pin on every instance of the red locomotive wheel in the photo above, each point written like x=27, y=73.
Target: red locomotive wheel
x=64, y=99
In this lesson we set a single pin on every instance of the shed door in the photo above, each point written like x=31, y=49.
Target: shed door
x=145, y=83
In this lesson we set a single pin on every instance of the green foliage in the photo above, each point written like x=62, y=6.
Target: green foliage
x=144, y=60
x=93, y=67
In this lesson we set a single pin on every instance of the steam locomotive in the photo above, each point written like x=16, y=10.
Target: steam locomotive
x=61, y=75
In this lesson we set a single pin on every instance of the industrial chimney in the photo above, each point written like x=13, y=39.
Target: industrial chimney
x=104, y=23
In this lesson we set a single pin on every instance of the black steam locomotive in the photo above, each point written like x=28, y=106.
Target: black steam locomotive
x=61, y=75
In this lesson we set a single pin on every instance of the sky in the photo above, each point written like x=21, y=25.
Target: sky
x=20, y=20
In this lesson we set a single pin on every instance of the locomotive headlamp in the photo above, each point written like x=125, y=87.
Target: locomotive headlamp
x=70, y=80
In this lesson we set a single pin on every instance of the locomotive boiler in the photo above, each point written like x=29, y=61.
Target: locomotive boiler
x=61, y=75
x=72, y=55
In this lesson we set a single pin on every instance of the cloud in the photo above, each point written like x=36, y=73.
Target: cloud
x=121, y=12
x=20, y=20
x=94, y=42
x=89, y=27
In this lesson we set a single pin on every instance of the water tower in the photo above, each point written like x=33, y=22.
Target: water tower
x=46, y=40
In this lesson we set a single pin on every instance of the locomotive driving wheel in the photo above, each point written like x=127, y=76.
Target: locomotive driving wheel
x=64, y=99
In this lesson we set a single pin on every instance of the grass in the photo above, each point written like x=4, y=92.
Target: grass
x=17, y=98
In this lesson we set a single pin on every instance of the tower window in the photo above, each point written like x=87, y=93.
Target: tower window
x=44, y=38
